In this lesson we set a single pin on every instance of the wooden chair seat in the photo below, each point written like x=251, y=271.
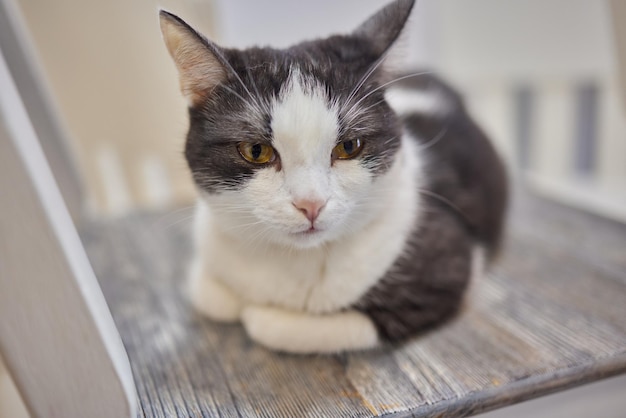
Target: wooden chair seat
x=551, y=314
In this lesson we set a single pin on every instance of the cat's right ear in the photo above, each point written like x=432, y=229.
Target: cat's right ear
x=383, y=29
x=199, y=62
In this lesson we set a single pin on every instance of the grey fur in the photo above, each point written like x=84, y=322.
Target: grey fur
x=465, y=201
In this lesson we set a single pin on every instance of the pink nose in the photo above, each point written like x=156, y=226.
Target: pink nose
x=310, y=208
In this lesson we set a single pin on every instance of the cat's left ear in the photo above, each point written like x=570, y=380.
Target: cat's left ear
x=383, y=29
x=201, y=66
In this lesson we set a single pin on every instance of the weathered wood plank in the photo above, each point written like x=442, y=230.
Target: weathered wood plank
x=549, y=316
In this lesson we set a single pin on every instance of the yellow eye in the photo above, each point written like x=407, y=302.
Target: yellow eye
x=256, y=153
x=347, y=149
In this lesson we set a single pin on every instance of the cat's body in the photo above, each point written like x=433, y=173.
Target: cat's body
x=328, y=221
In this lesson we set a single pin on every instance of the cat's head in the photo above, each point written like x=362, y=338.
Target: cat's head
x=293, y=146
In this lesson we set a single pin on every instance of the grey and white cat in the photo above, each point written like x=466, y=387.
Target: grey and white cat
x=339, y=207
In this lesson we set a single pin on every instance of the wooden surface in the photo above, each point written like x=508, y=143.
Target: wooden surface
x=550, y=315
x=57, y=335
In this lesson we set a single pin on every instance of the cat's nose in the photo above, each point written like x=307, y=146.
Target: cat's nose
x=310, y=208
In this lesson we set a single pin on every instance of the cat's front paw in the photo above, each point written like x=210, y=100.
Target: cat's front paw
x=300, y=332
x=267, y=326
x=214, y=300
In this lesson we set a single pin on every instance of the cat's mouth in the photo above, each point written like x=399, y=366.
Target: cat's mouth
x=308, y=238
x=310, y=231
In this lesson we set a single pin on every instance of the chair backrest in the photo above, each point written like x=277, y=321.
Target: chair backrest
x=57, y=336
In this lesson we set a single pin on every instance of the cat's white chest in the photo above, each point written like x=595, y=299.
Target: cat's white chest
x=266, y=276
x=317, y=280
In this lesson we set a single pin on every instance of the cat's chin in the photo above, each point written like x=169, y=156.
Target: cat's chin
x=306, y=239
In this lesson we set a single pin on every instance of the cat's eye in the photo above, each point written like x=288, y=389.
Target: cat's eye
x=256, y=153
x=347, y=149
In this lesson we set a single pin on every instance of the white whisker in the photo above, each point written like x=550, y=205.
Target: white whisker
x=367, y=75
x=382, y=86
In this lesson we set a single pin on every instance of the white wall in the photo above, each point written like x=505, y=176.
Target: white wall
x=280, y=23
x=530, y=38
x=462, y=37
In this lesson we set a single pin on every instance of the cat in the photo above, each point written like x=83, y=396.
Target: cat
x=339, y=208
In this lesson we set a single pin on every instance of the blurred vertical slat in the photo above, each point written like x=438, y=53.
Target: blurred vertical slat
x=585, y=141
x=18, y=54
x=56, y=334
x=118, y=94
x=551, y=152
x=524, y=102
x=618, y=13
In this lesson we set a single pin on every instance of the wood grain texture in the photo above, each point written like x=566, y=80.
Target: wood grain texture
x=550, y=315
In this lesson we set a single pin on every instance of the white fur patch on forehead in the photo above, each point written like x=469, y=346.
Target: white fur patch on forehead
x=304, y=123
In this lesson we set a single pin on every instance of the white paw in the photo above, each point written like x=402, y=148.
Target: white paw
x=266, y=326
x=213, y=299
x=298, y=332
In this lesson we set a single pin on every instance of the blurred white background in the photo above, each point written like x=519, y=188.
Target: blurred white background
x=541, y=76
